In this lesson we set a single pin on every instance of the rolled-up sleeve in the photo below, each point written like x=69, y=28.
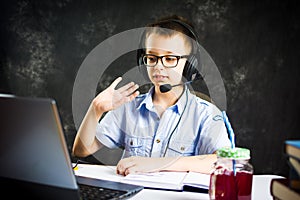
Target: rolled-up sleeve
x=109, y=129
x=213, y=133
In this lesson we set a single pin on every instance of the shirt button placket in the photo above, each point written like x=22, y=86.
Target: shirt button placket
x=156, y=147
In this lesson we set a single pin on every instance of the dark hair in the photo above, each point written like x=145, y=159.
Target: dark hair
x=170, y=25
x=173, y=22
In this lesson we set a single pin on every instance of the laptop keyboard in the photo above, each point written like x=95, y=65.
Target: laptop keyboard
x=88, y=192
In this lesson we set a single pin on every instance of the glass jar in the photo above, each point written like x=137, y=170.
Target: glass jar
x=231, y=178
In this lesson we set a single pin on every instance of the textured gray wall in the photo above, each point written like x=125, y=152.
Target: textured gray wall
x=254, y=44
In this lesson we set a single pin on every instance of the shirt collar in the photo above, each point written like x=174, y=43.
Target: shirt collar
x=178, y=107
x=147, y=101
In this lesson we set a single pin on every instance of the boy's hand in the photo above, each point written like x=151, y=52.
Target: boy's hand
x=110, y=98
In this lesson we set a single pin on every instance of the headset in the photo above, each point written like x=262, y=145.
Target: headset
x=192, y=66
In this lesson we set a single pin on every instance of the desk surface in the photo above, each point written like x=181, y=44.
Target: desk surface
x=260, y=188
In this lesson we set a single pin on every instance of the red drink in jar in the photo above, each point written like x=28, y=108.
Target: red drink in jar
x=232, y=176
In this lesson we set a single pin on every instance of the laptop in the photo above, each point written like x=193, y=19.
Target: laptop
x=35, y=161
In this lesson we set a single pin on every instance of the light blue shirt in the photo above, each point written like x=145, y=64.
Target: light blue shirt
x=192, y=126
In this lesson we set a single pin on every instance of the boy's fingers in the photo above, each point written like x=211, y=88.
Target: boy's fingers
x=126, y=87
x=116, y=82
x=130, y=90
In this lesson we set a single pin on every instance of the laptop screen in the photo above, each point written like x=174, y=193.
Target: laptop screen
x=32, y=145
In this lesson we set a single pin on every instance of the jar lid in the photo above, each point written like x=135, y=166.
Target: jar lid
x=236, y=153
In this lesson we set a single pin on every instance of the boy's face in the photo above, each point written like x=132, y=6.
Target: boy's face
x=163, y=45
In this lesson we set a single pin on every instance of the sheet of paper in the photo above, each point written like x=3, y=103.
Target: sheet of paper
x=99, y=172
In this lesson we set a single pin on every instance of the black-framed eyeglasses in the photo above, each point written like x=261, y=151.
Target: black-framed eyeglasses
x=168, y=61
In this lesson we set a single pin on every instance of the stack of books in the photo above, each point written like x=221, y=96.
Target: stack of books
x=289, y=188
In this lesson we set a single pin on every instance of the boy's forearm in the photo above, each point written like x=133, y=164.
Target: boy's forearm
x=200, y=163
x=84, y=143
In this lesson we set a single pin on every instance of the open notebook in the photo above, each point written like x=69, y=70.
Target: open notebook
x=164, y=180
x=35, y=161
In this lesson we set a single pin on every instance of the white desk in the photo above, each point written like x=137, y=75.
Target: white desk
x=260, y=188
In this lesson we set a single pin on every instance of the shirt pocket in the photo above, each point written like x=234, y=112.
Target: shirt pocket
x=180, y=148
x=135, y=146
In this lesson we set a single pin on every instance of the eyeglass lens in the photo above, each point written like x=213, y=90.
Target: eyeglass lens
x=167, y=61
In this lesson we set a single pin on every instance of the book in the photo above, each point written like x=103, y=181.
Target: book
x=281, y=190
x=165, y=180
x=292, y=148
x=168, y=180
x=295, y=164
x=294, y=174
x=292, y=151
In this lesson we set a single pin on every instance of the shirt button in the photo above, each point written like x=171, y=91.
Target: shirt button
x=182, y=148
x=157, y=140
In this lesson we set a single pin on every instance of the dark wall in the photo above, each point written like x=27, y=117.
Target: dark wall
x=254, y=44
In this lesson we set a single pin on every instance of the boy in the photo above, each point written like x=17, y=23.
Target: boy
x=160, y=130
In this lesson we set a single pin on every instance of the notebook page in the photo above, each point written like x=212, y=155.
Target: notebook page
x=160, y=180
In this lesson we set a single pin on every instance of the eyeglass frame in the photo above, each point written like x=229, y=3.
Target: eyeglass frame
x=161, y=59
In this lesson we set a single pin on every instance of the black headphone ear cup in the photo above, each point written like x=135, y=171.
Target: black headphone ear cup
x=139, y=56
x=190, y=68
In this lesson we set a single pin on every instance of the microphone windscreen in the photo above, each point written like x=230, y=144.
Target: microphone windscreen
x=165, y=88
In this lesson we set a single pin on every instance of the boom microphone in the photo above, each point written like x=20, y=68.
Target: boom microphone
x=167, y=87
